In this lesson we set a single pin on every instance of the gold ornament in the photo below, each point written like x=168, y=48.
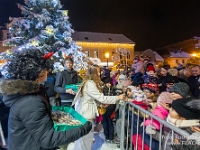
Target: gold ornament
x=65, y=12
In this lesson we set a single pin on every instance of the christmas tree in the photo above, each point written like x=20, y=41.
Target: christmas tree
x=44, y=25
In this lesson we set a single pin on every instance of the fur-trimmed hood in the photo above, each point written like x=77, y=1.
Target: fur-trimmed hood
x=13, y=89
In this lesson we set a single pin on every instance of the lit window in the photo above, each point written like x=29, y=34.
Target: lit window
x=8, y=36
x=96, y=54
x=87, y=53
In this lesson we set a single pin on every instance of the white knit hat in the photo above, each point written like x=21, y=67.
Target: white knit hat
x=139, y=95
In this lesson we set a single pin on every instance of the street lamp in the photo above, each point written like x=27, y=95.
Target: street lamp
x=107, y=56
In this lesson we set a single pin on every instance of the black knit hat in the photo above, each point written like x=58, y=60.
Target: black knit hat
x=181, y=89
x=26, y=63
x=171, y=79
x=107, y=80
x=183, y=109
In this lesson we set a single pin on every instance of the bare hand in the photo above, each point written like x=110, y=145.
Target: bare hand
x=166, y=106
x=195, y=129
x=122, y=97
x=70, y=91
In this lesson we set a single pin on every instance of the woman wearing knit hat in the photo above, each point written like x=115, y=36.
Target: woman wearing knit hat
x=30, y=124
x=181, y=110
x=180, y=90
x=183, y=114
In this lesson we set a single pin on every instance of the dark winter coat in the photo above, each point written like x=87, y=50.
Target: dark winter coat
x=30, y=125
x=194, y=85
x=63, y=78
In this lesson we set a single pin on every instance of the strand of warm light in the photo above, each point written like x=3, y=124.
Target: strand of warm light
x=120, y=45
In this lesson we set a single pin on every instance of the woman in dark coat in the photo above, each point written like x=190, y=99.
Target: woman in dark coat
x=30, y=125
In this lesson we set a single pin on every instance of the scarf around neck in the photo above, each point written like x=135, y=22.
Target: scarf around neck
x=182, y=123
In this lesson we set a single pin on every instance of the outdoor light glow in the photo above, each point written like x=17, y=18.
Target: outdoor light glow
x=194, y=55
x=107, y=55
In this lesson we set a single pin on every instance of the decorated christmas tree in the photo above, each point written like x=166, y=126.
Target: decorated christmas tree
x=44, y=25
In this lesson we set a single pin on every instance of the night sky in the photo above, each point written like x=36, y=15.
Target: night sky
x=149, y=23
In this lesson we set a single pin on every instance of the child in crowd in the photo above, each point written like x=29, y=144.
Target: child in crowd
x=107, y=121
x=122, y=78
x=150, y=75
x=139, y=99
x=150, y=91
x=160, y=111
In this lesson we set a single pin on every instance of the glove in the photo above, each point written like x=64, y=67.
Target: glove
x=86, y=128
x=150, y=129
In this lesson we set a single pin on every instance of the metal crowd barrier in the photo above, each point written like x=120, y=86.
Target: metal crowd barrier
x=2, y=139
x=131, y=125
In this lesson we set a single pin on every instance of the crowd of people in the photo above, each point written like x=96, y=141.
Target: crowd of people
x=29, y=89
x=171, y=94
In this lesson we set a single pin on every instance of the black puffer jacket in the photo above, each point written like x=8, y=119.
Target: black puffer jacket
x=30, y=126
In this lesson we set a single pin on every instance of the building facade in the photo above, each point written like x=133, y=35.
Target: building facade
x=119, y=48
x=177, y=57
